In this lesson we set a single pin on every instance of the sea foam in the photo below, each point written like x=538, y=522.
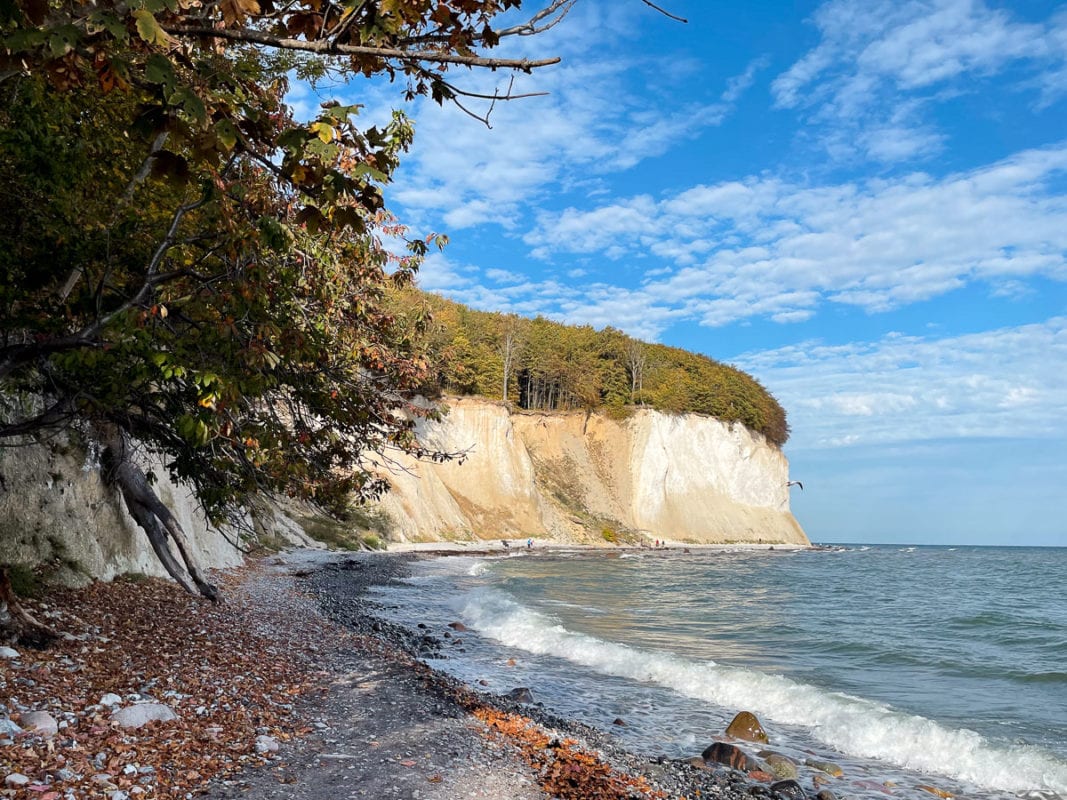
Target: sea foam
x=852, y=725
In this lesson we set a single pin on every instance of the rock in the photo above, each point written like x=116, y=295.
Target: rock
x=935, y=791
x=731, y=756
x=16, y=779
x=783, y=767
x=40, y=722
x=746, y=726
x=110, y=699
x=267, y=744
x=510, y=662
x=9, y=728
x=619, y=721
x=825, y=766
x=825, y=794
x=457, y=626
x=118, y=794
x=697, y=763
x=521, y=694
x=8, y=652
x=790, y=789
x=140, y=713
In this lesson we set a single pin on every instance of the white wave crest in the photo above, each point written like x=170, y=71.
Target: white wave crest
x=851, y=725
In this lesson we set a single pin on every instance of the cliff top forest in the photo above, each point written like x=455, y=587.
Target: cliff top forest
x=545, y=365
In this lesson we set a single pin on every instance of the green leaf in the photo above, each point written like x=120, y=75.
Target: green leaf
x=158, y=69
x=226, y=133
x=62, y=40
x=148, y=28
x=104, y=20
x=190, y=102
x=23, y=40
x=360, y=170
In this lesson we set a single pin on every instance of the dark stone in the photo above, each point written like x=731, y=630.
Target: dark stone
x=619, y=721
x=825, y=794
x=457, y=626
x=731, y=756
x=521, y=694
x=789, y=789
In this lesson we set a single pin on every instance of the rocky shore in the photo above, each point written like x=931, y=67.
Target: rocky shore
x=295, y=688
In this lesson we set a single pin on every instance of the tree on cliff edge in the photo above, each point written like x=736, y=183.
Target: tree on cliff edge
x=186, y=266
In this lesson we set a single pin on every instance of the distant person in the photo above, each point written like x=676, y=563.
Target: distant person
x=505, y=543
x=529, y=544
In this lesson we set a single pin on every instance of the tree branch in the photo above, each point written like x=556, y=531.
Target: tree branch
x=532, y=26
x=323, y=47
x=664, y=12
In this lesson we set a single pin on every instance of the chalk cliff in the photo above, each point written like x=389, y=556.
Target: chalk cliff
x=56, y=510
x=578, y=476
x=566, y=477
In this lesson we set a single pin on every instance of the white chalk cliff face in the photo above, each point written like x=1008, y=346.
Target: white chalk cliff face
x=567, y=477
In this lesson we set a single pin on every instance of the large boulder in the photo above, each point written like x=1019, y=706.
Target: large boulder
x=40, y=722
x=746, y=726
x=731, y=756
x=141, y=713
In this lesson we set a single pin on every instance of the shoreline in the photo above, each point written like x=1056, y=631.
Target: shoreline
x=495, y=547
x=595, y=763
x=295, y=688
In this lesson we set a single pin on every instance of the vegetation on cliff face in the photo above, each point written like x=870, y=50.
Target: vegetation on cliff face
x=545, y=365
x=184, y=264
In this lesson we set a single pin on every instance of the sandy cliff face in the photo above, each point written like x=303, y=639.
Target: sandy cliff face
x=570, y=476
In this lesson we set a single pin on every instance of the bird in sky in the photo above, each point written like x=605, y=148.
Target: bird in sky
x=795, y=483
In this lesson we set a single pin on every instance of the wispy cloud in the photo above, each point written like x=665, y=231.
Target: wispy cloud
x=766, y=247
x=877, y=62
x=998, y=383
x=595, y=120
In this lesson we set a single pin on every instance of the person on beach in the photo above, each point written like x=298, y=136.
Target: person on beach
x=529, y=544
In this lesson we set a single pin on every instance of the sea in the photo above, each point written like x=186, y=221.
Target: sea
x=907, y=666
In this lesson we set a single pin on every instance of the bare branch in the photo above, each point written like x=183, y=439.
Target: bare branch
x=664, y=12
x=323, y=47
x=536, y=23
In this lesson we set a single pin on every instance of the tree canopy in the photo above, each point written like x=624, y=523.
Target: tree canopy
x=185, y=265
x=541, y=364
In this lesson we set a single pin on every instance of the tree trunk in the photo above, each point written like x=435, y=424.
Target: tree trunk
x=157, y=521
x=16, y=622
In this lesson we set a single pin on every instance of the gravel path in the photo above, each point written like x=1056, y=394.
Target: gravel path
x=382, y=728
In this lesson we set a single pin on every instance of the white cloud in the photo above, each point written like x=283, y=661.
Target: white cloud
x=595, y=120
x=1009, y=382
x=878, y=61
x=764, y=247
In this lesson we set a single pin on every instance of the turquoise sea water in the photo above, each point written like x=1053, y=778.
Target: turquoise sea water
x=906, y=665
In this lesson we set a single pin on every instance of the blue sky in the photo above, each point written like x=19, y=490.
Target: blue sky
x=862, y=203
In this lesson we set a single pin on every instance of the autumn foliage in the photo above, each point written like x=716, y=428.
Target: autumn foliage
x=185, y=265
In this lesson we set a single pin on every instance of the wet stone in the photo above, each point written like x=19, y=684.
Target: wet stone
x=789, y=789
x=746, y=726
